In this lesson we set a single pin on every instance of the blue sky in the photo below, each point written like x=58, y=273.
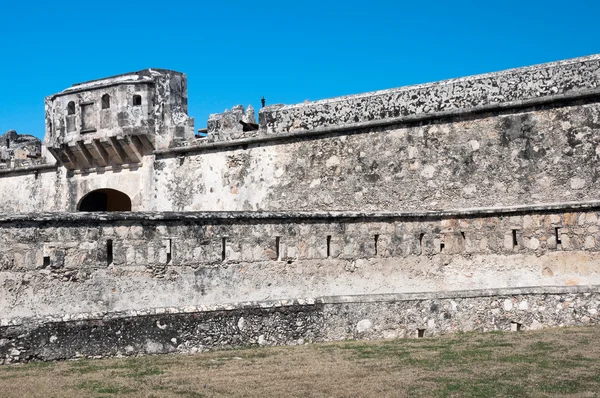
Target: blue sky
x=235, y=52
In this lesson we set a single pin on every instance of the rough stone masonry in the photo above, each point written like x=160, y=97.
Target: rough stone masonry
x=467, y=204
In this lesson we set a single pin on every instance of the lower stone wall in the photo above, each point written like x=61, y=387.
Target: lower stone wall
x=70, y=263
x=291, y=322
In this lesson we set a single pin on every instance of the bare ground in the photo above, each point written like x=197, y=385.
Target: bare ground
x=548, y=363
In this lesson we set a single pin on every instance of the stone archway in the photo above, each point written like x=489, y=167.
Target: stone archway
x=105, y=200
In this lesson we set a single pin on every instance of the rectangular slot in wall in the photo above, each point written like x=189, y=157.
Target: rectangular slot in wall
x=277, y=252
x=328, y=246
x=421, y=236
x=109, y=252
x=515, y=242
x=442, y=247
x=557, y=236
x=515, y=327
x=169, y=251
x=376, y=244
x=223, y=248
x=46, y=261
x=420, y=333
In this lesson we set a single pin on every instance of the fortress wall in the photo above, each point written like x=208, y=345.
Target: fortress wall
x=542, y=154
x=52, y=189
x=63, y=264
x=133, y=180
x=536, y=84
x=293, y=322
x=23, y=191
x=196, y=266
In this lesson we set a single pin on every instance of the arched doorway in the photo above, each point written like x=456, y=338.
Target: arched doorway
x=105, y=200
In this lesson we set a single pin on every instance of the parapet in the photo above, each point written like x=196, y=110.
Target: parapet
x=538, y=84
x=515, y=87
x=117, y=120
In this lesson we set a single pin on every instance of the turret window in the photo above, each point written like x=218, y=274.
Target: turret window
x=71, y=108
x=105, y=101
x=137, y=100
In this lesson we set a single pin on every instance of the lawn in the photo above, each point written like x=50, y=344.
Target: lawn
x=547, y=363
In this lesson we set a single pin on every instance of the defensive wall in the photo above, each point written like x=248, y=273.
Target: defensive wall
x=468, y=204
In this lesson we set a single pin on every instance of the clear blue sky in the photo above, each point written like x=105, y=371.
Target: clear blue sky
x=234, y=52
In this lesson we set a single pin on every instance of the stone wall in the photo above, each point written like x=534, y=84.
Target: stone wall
x=535, y=155
x=75, y=263
x=49, y=188
x=540, y=155
x=469, y=204
x=292, y=322
x=578, y=77
x=523, y=136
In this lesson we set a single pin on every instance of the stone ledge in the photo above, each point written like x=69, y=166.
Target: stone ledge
x=28, y=169
x=510, y=291
x=162, y=216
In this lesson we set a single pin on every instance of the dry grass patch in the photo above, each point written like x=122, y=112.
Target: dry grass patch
x=548, y=363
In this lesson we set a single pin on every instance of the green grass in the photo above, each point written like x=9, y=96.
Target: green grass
x=547, y=363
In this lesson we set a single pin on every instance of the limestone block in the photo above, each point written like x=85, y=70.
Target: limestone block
x=590, y=242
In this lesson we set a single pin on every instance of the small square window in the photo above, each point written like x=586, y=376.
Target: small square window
x=137, y=100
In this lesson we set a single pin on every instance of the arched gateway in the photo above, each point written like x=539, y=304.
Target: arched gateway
x=105, y=200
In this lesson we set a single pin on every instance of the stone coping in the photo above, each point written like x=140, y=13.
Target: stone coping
x=206, y=144
x=28, y=169
x=514, y=87
x=539, y=71
x=158, y=216
x=302, y=302
x=562, y=81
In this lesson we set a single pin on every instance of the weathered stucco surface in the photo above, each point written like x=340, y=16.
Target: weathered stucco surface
x=469, y=204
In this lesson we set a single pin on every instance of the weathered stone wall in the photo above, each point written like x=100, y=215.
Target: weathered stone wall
x=536, y=84
x=23, y=191
x=48, y=188
x=74, y=264
x=538, y=155
x=517, y=137
x=292, y=322
x=19, y=150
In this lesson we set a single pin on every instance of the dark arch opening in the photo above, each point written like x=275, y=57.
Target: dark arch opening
x=105, y=200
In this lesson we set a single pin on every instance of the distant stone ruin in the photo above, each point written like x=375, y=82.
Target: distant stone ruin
x=467, y=204
x=19, y=150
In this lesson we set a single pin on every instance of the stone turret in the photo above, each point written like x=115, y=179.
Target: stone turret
x=118, y=120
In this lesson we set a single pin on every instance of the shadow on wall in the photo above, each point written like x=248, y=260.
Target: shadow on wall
x=105, y=200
